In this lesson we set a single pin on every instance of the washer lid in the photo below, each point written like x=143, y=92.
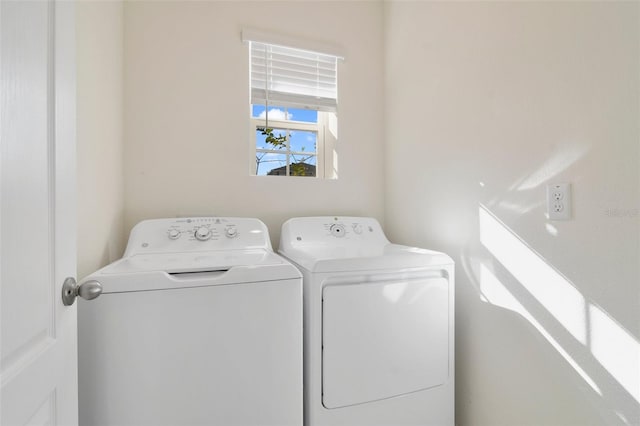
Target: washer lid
x=179, y=270
x=175, y=263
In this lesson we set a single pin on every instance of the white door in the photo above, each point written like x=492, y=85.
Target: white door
x=38, y=353
x=384, y=339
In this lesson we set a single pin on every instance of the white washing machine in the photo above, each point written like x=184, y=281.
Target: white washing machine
x=378, y=325
x=200, y=323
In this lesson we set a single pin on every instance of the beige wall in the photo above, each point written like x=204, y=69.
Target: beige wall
x=187, y=103
x=99, y=133
x=486, y=103
x=481, y=105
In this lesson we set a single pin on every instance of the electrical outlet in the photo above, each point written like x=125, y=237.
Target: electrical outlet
x=559, y=201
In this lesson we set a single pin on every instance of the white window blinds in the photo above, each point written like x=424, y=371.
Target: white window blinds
x=296, y=78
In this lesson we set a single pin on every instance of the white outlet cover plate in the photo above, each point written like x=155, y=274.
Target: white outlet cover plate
x=559, y=201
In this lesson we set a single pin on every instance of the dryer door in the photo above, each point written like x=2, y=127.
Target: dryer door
x=383, y=339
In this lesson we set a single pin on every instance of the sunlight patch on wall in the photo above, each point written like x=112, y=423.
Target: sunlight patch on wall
x=497, y=294
x=616, y=350
x=544, y=283
x=518, y=207
x=551, y=229
x=555, y=165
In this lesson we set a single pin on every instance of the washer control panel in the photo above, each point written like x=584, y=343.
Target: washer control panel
x=197, y=234
x=331, y=230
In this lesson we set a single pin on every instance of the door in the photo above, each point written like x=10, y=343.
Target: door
x=38, y=350
x=383, y=339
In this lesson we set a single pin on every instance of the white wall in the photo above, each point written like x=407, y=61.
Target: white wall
x=486, y=103
x=99, y=26
x=187, y=103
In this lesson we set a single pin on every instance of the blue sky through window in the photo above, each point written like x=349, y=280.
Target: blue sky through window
x=301, y=144
x=301, y=141
x=278, y=113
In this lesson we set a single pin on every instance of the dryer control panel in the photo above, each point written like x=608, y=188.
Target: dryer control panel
x=332, y=231
x=195, y=234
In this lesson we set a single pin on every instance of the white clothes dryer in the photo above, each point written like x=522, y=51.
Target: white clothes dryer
x=200, y=323
x=378, y=325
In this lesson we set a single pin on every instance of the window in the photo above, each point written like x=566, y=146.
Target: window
x=289, y=146
x=294, y=103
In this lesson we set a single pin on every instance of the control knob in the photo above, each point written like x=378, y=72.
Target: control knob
x=173, y=234
x=357, y=228
x=231, y=232
x=203, y=233
x=337, y=230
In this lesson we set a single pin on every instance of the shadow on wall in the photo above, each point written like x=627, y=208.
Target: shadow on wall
x=601, y=355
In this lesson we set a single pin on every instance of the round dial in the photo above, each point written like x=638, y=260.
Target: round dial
x=231, y=232
x=337, y=230
x=357, y=228
x=174, y=234
x=203, y=233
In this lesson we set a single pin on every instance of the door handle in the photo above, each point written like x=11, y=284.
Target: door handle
x=88, y=290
